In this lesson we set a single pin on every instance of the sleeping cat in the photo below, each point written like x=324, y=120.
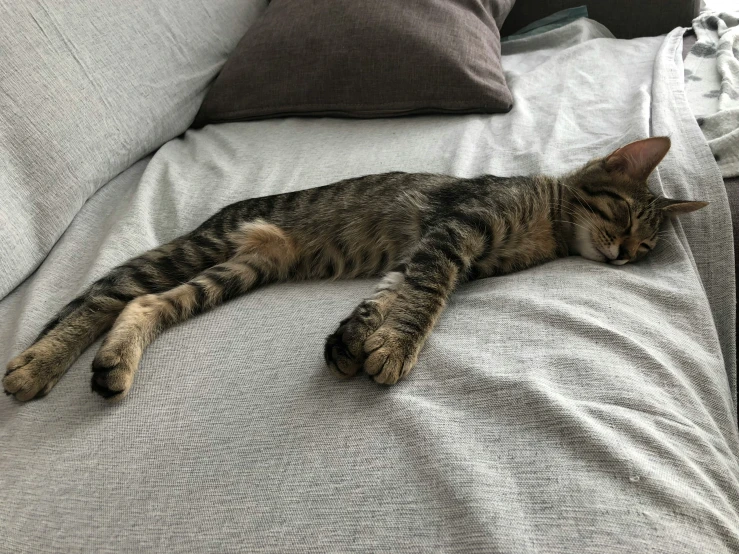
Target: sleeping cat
x=424, y=233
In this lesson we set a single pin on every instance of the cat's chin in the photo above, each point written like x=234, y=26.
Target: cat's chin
x=584, y=247
x=595, y=257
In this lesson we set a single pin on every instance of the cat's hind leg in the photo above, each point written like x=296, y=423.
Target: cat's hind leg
x=266, y=255
x=34, y=372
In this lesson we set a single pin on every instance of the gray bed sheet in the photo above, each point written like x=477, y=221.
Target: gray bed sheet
x=574, y=407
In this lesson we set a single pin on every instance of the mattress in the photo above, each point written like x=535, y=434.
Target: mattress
x=571, y=407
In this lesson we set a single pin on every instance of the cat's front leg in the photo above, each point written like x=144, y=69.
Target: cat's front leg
x=392, y=351
x=429, y=278
x=344, y=349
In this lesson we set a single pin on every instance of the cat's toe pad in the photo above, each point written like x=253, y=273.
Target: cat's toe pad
x=343, y=350
x=112, y=376
x=390, y=356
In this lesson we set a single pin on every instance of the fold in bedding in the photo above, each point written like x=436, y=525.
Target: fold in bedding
x=572, y=407
x=87, y=89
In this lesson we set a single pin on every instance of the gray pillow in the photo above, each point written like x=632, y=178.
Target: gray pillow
x=86, y=89
x=354, y=58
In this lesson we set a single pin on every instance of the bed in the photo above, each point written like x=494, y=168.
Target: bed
x=573, y=407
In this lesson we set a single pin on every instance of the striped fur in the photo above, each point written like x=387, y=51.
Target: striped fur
x=425, y=233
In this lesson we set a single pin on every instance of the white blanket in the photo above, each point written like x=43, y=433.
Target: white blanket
x=574, y=407
x=712, y=85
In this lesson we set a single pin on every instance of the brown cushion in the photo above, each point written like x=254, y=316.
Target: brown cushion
x=364, y=58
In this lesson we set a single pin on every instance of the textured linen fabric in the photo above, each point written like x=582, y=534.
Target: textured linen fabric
x=732, y=192
x=573, y=407
x=731, y=185
x=86, y=89
x=354, y=58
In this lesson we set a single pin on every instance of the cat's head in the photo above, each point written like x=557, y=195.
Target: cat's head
x=615, y=217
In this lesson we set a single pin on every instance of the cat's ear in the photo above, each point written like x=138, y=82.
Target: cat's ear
x=638, y=159
x=672, y=207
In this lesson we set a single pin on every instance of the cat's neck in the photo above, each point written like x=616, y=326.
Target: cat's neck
x=563, y=202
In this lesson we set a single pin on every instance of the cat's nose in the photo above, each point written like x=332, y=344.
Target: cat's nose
x=623, y=254
x=623, y=257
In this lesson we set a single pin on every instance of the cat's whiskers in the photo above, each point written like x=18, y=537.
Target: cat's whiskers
x=576, y=193
x=573, y=216
x=591, y=220
x=571, y=209
x=572, y=223
x=588, y=212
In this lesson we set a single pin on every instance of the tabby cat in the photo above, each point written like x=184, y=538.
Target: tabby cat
x=426, y=233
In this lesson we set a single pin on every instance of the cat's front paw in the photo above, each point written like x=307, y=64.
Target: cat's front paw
x=343, y=351
x=114, y=367
x=34, y=372
x=391, y=354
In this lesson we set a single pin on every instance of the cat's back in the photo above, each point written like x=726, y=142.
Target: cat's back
x=398, y=196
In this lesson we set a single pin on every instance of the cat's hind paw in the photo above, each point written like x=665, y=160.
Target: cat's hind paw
x=113, y=370
x=34, y=372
